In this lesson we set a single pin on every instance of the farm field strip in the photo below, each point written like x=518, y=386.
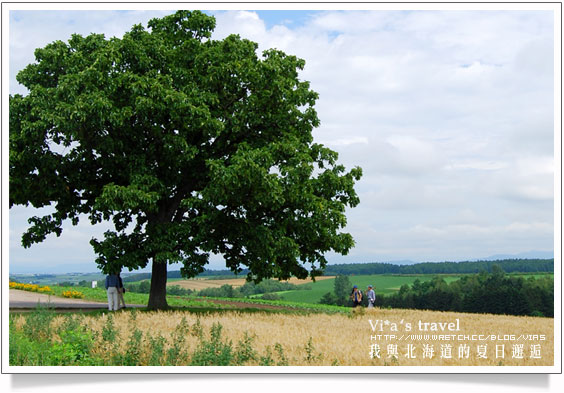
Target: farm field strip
x=321, y=339
x=198, y=284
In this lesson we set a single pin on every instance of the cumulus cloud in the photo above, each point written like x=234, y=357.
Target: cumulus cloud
x=449, y=113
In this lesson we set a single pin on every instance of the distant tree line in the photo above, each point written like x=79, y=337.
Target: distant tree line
x=491, y=293
x=508, y=265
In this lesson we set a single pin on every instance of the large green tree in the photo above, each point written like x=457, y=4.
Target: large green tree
x=189, y=145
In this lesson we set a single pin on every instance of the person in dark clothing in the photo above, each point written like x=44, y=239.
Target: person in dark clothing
x=356, y=296
x=112, y=285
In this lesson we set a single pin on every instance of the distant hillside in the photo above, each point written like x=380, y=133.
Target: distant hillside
x=508, y=265
x=523, y=255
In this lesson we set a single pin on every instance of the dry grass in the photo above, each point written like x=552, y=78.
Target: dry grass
x=198, y=284
x=345, y=340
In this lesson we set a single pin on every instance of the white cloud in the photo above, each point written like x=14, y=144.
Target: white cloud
x=450, y=115
x=346, y=141
x=249, y=25
x=477, y=165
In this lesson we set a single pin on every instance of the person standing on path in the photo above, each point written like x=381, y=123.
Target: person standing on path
x=371, y=296
x=121, y=291
x=112, y=285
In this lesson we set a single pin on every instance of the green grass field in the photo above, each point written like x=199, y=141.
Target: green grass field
x=195, y=303
x=383, y=285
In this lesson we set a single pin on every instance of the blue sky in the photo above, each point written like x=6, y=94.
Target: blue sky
x=449, y=113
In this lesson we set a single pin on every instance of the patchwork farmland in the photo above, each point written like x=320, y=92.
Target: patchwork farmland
x=198, y=284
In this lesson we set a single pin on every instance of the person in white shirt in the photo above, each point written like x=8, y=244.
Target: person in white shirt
x=371, y=296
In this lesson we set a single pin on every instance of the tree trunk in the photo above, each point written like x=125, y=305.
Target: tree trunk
x=157, y=296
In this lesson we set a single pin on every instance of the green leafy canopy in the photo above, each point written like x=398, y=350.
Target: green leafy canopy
x=191, y=146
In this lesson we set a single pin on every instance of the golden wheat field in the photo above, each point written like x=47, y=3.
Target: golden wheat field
x=322, y=339
x=198, y=284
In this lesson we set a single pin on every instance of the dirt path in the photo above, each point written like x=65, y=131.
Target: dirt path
x=29, y=300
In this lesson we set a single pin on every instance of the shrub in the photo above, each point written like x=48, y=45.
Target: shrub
x=132, y=354
x=177, y=290
x=282, y=360
x=310, y=352
x=109, y=333
x=197, y=330
x=328, y=298
x=74, y=348
x=244, y=351
x=223, y=291
x=38, y=323
x=267, y=360
x=213, y=352
x=156, y=347
x=141, y=287
x=266, y=286
x=177, y=354
x=271, y=296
